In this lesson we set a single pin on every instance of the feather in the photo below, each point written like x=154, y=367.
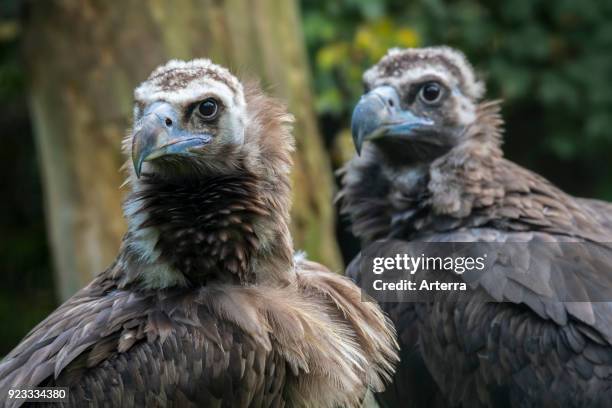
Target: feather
x=542, y=342
x=205, y=305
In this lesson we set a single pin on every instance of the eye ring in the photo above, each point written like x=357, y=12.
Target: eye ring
x=431, y=92
x=208, y=108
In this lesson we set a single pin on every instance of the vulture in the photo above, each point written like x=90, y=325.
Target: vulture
x=206, y=304
x=536, y=331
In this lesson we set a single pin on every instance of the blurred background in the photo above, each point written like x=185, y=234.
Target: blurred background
x=68, y=68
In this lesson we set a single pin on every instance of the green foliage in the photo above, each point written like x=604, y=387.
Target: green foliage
x=26, y=293
x=549, y=61
x=340, y=63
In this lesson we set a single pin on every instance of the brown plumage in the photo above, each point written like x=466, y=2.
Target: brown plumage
x=206, y=304
x=433, y=170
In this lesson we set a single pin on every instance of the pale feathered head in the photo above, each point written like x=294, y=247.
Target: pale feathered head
x=418, y=102
x=193, y=118
x=209, y=165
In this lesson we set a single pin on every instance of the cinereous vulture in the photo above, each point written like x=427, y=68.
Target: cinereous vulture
x=206, y=304
x=431, y=169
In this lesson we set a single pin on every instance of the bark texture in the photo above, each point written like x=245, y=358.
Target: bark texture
x=84, y=59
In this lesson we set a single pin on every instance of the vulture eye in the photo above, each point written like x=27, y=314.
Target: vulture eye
x=431, y=92
x=208, y=108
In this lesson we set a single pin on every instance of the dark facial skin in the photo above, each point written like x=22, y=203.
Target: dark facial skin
x=409, y=122
x=183, y=140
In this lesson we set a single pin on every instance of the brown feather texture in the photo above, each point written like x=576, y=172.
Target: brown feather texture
x=526, y=351
x=206, y=304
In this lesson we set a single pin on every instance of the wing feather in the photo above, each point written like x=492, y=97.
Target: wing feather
x=128, y=342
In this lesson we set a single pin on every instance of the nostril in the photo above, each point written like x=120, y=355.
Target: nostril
x=390, y=102
x=168, y=122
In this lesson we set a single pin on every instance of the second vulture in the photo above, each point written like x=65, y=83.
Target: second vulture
x=431, y=169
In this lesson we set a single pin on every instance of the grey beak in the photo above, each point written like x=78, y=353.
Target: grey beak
x=158, y=135
x=379, y=114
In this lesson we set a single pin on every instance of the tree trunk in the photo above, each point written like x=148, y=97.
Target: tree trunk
x=84, y=59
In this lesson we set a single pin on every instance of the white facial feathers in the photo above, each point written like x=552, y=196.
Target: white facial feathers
x=409, y=64
x=183, y=83
x=186, y=81
x=402, y=67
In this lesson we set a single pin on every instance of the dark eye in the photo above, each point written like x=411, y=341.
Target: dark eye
x=431, y=92
x=208, y=108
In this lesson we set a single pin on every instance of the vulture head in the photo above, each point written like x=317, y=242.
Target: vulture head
x=209, y=161
x=186, y=116
x=418, y=103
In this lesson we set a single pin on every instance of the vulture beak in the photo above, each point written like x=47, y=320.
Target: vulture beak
x=379, y=114
x=158, y=134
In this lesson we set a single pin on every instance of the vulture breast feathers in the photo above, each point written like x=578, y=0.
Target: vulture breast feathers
x=206, y=304
x=537, y=329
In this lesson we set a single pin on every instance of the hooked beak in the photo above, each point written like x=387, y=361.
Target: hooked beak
x=159, y=135
x=379, y=114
